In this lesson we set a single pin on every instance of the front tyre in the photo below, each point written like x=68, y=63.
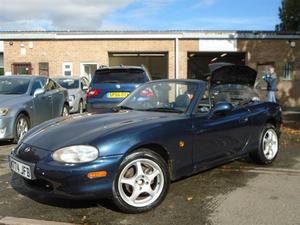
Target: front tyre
x=22, y=125
x=65, y=110
x=142, y=182
x=268, y=146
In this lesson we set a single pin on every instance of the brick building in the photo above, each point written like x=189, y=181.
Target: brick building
x=171, y=54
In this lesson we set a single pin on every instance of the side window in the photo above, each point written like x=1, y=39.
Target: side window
x=36, y=85
x=204, y=105
x=50, y=85
x=84, y=83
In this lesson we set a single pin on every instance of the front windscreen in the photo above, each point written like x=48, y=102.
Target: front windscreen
x=134, y=76
x=68, y=83
x=13, y=86
x=164, y=96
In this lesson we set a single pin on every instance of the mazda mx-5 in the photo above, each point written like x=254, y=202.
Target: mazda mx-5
x=163, y=131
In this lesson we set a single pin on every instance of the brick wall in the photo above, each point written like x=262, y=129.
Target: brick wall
x=79, y=51
x=279, y=52
x=55, y=52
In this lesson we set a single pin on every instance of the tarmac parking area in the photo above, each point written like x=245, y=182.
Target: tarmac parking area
x=237, y=193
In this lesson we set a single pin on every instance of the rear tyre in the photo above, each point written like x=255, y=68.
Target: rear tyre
x=142, y=182
x=268, y=146
x=22, y=125
x=65, y=110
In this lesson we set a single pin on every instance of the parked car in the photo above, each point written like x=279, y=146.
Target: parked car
x=26, y=101
x=110, y=85
x=132, y=154
x=77, y=88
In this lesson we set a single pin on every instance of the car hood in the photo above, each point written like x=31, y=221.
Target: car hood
x=10, y=100
x=227, y=73
x=84, y=129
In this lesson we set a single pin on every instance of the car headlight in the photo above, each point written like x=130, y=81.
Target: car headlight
x=71, y=98
x=3, y=111
x=76, y=154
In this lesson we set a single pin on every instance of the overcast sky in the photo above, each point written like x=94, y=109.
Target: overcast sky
x=138, y=14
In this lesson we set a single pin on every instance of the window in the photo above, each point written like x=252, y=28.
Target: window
x=51, y=85
x=1, y=64
x=68, y=69
x=287, y=71
x=22, y=68
x=36, y=85
x=123, y=76
x=44, y=69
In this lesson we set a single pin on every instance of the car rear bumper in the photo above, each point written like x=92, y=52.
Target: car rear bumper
x=100, y=107
x=6, y=127
x=71, y=181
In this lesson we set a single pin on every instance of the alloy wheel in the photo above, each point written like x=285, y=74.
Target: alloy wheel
x=141, y=182
x=270, y=144
x=22, y=127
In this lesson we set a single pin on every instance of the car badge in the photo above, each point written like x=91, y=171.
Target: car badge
x=28, y=149
x=118, y=86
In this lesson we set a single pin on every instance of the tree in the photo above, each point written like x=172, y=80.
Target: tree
x=289, y=14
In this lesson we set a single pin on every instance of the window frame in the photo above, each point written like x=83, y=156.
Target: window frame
x=47, y=70
x=287, y=71
x=67, y=70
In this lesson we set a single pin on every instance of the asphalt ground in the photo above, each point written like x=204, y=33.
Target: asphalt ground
x=240, y=192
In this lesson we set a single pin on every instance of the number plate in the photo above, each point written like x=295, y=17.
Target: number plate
x=118, y=94
x=20, y=168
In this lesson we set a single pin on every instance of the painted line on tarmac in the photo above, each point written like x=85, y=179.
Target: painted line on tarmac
x=22, y=221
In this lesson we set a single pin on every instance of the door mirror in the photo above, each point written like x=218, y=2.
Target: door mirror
x=222, y=108
x=38, y=92
x=85, y=88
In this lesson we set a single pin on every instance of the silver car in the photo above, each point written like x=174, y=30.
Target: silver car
x=77, y=88
x=26, y=101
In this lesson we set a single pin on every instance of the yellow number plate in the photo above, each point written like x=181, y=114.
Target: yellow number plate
x=118, y=94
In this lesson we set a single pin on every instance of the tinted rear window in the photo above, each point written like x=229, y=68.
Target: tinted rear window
x=134, y=76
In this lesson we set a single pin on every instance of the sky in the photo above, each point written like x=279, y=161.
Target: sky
x=139, y=14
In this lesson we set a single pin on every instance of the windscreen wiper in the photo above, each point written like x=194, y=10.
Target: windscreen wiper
x=118, y=108
x=162, y=109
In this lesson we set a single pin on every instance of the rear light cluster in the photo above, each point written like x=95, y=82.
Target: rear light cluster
x=147, y=93
x=93, y=93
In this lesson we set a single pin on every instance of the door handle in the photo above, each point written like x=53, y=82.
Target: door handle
x=244, y=120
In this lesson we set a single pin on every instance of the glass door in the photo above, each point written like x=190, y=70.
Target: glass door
x=88, y=69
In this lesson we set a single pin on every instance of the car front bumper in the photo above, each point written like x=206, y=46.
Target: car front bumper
x=71, y=181
x=6, y=127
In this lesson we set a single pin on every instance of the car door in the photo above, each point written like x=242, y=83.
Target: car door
x=58, y=98
x=42, y=102
x=217, y=137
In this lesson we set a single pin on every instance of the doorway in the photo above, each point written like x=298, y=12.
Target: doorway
x=155, y=62
x=88, y=70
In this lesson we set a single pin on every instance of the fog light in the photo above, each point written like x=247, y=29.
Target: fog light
x=2, y=132
x=97, y=174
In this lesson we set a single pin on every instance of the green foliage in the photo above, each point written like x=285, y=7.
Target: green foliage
x=1, y=71
x=289, y=14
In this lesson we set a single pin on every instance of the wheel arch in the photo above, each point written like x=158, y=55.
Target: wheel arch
x=158, y=149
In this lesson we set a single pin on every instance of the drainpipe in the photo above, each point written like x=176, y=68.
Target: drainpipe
x=177, y=58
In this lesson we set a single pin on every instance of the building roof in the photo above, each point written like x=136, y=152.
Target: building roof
x=167, y=34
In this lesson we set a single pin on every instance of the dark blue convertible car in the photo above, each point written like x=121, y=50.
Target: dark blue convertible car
x=163, y=131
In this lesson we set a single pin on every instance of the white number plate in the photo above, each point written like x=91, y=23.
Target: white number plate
x=20, y=168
